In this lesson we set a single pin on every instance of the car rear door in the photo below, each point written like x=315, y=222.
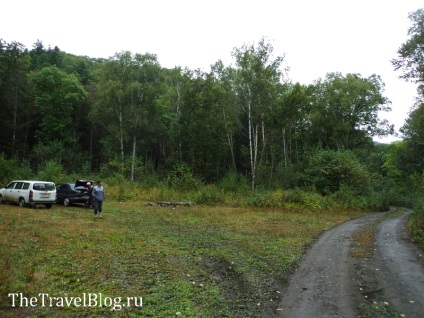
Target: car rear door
x=43, y=192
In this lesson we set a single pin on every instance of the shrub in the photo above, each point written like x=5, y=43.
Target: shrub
x=416, y=223
x=348, y=197
x=181, y=178
x=124, y=168
x=52, y=171
x=209, y=194
x=328, y=170
x=265, y=199
x=308, y=199
x=12, y=169
x=234, y=182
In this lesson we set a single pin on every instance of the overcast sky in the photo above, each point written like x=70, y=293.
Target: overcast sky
x=316, y=36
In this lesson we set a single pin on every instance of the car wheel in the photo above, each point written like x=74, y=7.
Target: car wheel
x=1, y=199
x=22, y=203
x=48, y=206
x=66, y=202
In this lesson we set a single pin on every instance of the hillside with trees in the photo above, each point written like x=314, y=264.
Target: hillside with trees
x=241, y=126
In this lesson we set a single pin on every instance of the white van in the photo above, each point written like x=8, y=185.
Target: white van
x=26, y=193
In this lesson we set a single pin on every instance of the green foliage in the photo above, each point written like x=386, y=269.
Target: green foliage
x=127, y=118
x=181, y=178
x=12, y=170
x=348, y=197
x=410, y=60
x=209, y=195
x=345, y=110
x=309, y=199
x=124, y=168
x=56, y=93
x=53, y=171
x=328, y=170
x=413, y=131
x=54, y=150
x=261, y=198
x=288, y=177
x=416, y=222
x=234, y=182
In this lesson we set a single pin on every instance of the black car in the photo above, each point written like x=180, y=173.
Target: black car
x=69, y=193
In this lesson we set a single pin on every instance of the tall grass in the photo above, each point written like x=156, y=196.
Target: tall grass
x=216, y=195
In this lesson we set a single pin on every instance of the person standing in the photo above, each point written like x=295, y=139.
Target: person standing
x=89, y=202
x=99, y=196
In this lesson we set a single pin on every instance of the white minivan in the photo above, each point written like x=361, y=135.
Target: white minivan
x=26, y=193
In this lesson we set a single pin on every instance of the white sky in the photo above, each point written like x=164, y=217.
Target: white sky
x=316, y=36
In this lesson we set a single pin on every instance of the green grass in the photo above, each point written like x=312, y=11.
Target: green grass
x=186, y=261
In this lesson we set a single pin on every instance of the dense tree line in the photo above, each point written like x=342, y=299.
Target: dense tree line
x=130, y=116
x=247, y=118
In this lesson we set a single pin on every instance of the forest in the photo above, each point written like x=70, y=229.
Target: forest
x=243, y=127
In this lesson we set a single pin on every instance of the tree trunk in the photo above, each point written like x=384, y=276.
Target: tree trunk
x=133, y=156
x=230, y=142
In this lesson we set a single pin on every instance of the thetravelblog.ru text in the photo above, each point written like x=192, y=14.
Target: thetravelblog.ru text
x=84, y=300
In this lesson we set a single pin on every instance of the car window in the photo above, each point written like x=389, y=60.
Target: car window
x=11, y=185
x=50, y=187
x=18, y=185
x=25, y=186
x=63, y=187
x=43, y=186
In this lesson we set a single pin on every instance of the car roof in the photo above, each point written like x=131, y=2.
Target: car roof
x=37, y=181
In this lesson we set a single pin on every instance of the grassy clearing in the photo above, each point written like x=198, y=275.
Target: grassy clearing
x=188, y=261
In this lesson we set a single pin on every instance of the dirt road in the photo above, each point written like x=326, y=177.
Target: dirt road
x=331, y=283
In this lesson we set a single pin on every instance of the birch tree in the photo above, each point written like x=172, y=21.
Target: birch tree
x=256, y=78
x=128, y=88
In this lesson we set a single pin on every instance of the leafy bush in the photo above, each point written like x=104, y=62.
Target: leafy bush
x=416, y=223
x=328, y=170
x=308, y=199
x=234, y=182
x=52, y=171
x=12, y=169
x=209, y=194
x=287, y=177
x=265, y=199
x=181, y=178
x=349, y=197
x=117, y=167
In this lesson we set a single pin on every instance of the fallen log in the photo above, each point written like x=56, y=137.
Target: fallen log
x=173, y=203
x=170, y=203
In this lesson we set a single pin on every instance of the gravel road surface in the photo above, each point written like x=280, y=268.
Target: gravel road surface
x=329, y=282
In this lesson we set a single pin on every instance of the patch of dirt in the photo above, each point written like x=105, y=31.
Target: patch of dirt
x=246, y=299
x=332, y=281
